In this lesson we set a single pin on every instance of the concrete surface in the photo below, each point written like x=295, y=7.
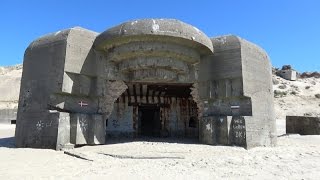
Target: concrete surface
x=303, y=125
x=288, y=74
x=236, y=81
x=7, y=115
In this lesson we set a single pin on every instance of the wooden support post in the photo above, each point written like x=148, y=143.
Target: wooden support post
x=135, y=93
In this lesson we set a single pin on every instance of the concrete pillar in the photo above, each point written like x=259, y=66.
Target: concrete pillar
x=87, y=129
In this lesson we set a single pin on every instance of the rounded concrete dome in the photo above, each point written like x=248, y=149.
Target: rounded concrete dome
x=168, y=30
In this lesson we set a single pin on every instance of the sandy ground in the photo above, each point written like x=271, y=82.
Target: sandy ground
x=295, y=157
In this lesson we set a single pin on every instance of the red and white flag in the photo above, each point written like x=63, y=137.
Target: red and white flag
x=82, y=103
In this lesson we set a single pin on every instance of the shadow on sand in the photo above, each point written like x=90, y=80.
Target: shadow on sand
x=152, y=139
x=7, y=142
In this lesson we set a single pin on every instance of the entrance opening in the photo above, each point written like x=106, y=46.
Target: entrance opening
x=150, y=120
x=160, y=110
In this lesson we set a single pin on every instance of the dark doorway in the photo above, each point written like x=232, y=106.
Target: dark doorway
x=150, y=124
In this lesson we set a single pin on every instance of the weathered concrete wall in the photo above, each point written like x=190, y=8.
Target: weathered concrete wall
x=43, y=130
x=153, y=50
x=257, y=84
x=161, y=51
x=58, y=73
x=214, y=130
x=220, y=79
x=120, y=122
x=10, y=78
x=221, y=90
x=179, y=114
x=87, y=129
x=288, y=74
x=223, y=130
x=7, y=115
x=165, y=30
x=41, y=76
x=236, y=81
x=303, y=125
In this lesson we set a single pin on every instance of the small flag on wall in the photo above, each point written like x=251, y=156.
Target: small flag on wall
x=82, y=103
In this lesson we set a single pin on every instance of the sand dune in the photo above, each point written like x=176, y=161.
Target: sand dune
x=10, y=78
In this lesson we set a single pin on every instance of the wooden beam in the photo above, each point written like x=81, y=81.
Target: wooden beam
x=159, y=94
x=135, y=93
x=129, y=96
x=147, y=95
x=153, y=93
x=159, y=89
x=123, y=98
x=154, y=104
x=141, y=93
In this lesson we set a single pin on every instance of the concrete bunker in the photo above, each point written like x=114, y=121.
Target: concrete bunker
x=150, y=77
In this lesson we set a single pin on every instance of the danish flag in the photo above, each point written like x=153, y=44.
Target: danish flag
x=81, y=103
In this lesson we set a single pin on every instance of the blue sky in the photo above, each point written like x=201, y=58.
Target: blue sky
x=289, y=30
